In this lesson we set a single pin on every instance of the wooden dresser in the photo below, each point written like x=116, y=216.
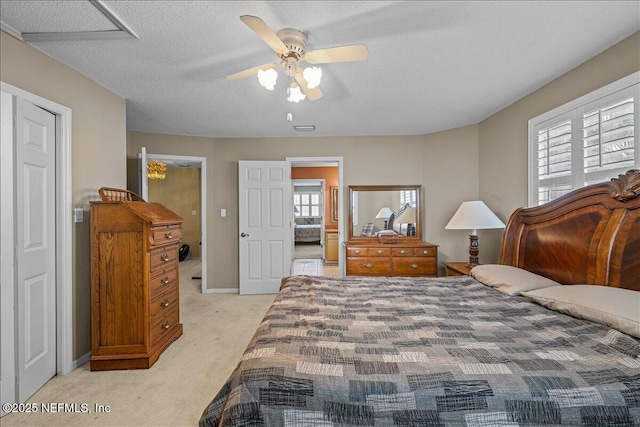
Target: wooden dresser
x=412, y=258
x=134, y=283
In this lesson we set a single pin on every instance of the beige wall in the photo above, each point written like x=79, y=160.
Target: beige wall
x=98, y=151
x=367, y=161
x=503, y=136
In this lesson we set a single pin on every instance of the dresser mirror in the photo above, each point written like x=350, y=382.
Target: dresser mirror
x=385, y=211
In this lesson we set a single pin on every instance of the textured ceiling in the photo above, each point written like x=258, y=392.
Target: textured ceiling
x=432, y=65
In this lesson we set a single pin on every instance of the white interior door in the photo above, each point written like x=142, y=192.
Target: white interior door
x=265, y=222
x=35, y=247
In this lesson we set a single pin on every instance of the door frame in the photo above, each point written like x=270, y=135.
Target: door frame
x=202, y=162
x=63, y=244
x=330, y=161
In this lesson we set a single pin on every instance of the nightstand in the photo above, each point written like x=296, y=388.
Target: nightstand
x=458, y=268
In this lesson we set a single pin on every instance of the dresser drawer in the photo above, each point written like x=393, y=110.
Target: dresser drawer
x=163, y=256
x=368, y=266
x=414, y=266
x=165, y=234
x=163, y=303
x=413, y=252
x=163, y=324
x=162, y=279
x=368, y=252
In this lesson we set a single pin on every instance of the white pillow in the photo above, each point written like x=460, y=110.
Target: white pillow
x=614, y=307
x=510, y=280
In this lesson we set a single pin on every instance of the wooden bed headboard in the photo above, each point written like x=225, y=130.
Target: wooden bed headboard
x=588, y=236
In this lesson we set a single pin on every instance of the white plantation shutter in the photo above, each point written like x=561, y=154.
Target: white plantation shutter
x=589, y=140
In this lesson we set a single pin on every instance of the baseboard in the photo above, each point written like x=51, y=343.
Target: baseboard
x=222, y=291
x=80, y=361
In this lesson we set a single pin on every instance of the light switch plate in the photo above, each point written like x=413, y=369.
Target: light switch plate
x=78, y=215
x=223, y=213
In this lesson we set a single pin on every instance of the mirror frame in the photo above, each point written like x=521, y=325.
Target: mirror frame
x=418, y=188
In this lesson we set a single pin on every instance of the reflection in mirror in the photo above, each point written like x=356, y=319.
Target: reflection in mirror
x=384, y=210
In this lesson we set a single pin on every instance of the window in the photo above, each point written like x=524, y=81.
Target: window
x=408, y=196
x=589, y=140
x=306, y=204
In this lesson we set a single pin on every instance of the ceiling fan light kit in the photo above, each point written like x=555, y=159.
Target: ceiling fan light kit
x=290, y=46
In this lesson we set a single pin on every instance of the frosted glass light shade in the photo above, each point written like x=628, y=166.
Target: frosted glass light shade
x=312, y=75
x=295, y=94
x=267, y=78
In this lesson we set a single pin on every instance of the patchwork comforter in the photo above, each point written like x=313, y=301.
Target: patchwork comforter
x=426, y=352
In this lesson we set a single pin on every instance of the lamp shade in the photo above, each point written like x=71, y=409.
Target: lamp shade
x=474, y=215
x=384, y=213
x=408, y=216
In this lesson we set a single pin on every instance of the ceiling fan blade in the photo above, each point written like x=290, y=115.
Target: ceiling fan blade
x=313, y=94
x=265, y=33
x=251, y=71
x=354, y=52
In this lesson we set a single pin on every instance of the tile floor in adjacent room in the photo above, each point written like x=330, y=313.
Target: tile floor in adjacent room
x=314, y=267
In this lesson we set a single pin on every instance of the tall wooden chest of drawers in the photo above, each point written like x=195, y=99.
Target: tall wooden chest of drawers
x=135, y=312
x=398, y=259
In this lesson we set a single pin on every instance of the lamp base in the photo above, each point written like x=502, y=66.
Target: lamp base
x=474, y=250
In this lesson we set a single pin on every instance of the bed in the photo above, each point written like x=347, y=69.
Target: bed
x=307, y=230
x=550, y=336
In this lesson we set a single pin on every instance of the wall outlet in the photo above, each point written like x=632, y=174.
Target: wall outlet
x=194, y=212
x=223, y=213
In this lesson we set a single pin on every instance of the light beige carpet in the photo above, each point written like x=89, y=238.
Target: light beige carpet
x=175, y=391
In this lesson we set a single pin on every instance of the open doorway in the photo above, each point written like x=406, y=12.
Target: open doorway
x=309, y=218
x=317, y=181
x=183, y=190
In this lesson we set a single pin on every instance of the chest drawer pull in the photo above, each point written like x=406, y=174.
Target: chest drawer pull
x=164, y=257
x=380, y=252
x=368, y=265
x=425, y=252
x=168, y=235
x=165, y=325
x=402, y=251
x=415, y=266
x=165, y=280
x=165, y=303
x=357, y=252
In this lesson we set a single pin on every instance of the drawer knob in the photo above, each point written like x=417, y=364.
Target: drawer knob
x=165, y=303
x=164, y=257
x=168, y=235
x=357, y=251
x=380, y=252
x=415, y=266
x=165, y=325
x=402, y=252
x=165, y=280
x=425, y=252
x=368, y=265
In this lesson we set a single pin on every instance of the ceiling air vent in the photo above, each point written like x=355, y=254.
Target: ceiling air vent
x=304, y=128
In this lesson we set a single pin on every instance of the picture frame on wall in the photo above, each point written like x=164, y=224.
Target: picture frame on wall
x=334, y=204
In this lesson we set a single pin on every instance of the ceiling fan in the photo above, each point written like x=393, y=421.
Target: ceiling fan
x=289, y=44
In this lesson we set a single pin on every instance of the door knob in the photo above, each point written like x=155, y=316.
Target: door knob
x=243, y=234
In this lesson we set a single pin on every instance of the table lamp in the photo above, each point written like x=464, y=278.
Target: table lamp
x=384, y=213
x=474, y=216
